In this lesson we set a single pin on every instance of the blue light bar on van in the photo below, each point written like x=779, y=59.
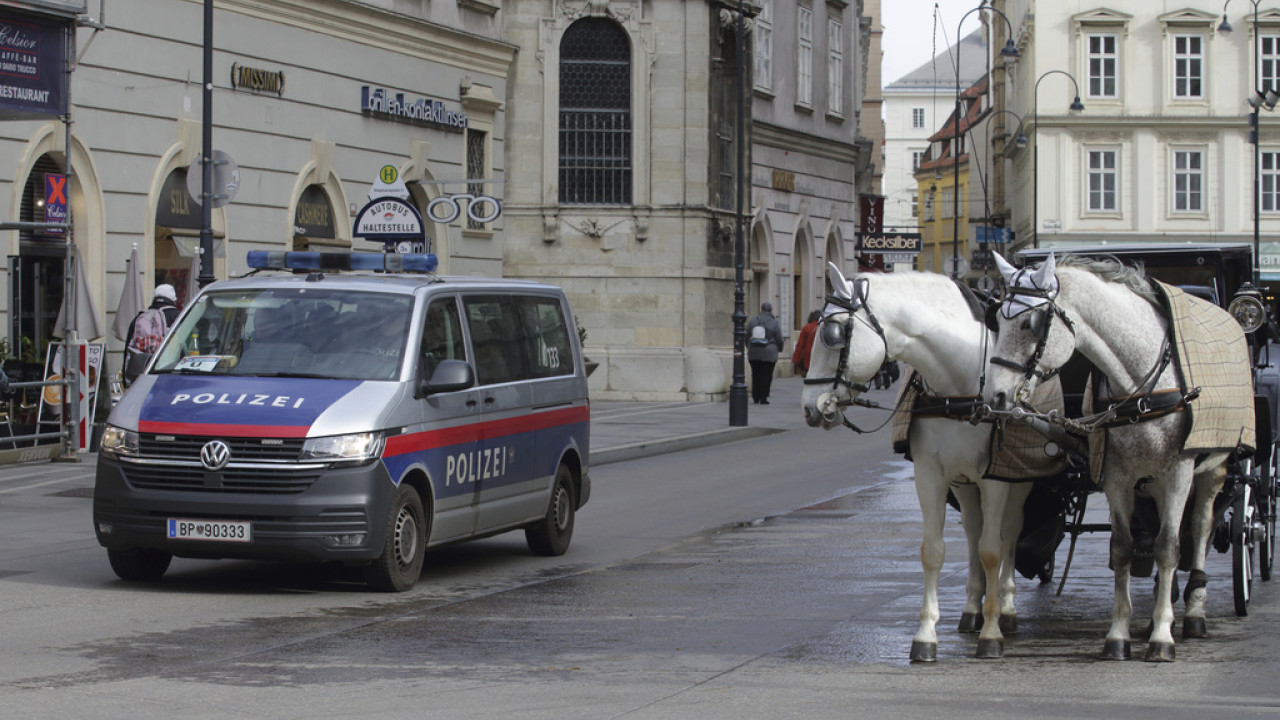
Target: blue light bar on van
x=389, y=262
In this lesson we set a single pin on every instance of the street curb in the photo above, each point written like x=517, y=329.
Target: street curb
x=649, y=448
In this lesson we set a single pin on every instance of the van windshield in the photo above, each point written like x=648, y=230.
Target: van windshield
x=288, y=332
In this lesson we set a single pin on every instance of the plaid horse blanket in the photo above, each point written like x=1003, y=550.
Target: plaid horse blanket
x=1212, y=354
x=1017, y=451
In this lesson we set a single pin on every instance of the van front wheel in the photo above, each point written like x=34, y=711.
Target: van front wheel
x=404, y=546
x=550, y=536
x=139, y=565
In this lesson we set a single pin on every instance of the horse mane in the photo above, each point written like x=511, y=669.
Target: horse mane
x=1111, y=269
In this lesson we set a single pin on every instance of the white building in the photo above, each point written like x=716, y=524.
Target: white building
x=915, y=106
x=1162, y=150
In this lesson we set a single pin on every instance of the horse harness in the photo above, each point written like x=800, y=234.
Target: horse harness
x=1144, y=403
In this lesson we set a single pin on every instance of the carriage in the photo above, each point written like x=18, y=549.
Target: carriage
x=1246, y=508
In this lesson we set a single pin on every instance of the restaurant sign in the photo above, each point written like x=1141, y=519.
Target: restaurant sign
x=33, y=72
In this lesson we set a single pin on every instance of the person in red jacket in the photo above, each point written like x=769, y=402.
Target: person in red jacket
x=804, y=344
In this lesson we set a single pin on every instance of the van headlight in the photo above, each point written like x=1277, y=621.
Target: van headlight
x=353, y=449
x=118, y=441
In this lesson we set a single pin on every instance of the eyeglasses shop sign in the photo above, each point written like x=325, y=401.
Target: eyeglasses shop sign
x=425, y=111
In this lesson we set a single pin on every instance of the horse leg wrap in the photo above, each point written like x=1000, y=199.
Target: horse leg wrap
x=1196, y=580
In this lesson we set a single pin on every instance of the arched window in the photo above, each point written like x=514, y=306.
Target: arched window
x=595, y=114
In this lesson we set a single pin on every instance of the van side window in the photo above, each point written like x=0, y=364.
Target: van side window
x=546, y=337
x=442, y=335
x=518, y=337
x=493, y=339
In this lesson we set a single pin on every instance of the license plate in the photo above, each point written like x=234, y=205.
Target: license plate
x=214, y=530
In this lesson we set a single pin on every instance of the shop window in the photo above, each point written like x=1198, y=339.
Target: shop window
x=314, y=222
x=477, y=168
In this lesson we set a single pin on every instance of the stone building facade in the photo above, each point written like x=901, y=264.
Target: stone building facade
x=310, y=99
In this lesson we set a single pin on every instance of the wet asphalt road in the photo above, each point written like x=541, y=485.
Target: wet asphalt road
x=695, y=589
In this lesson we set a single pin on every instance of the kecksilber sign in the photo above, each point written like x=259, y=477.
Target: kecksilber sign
x=880, y=242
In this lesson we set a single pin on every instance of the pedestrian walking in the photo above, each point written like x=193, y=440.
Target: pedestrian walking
x=804, y=344
x=764, y=342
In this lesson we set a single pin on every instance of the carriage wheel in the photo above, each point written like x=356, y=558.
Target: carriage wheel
x=1242, y=548
x=1267, y=503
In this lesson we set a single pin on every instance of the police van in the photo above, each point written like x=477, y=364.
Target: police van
x=320, y=414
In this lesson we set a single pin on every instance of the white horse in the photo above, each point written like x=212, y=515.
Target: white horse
x=1108, y=312
x=925, y=321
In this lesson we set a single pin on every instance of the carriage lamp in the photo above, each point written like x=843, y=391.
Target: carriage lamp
x=1246, y=307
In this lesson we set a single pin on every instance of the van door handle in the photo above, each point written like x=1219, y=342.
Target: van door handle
x=490, y=400
x=471, y=403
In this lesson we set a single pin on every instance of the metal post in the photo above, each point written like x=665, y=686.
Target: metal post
x=206, y=165
x=1260, y=97
x=1076, y=105
x=1008, y=53
x=70, y=327
x=738, y=390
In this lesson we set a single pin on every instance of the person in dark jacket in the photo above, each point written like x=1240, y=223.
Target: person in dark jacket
x=764, y=342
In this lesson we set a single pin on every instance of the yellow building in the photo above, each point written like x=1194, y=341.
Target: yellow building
x=945, y=167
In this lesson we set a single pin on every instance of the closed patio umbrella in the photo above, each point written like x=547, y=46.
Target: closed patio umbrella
x=85, y=321
x=131, y=300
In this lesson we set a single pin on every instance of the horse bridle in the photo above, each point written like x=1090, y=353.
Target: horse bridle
x=851, y=305
x=1040, y=321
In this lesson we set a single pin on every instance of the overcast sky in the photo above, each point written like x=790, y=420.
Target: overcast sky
x=909, y=31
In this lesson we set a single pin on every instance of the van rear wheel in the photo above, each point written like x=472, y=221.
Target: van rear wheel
x=550, y=536
x=404, y=546
x=139, y=565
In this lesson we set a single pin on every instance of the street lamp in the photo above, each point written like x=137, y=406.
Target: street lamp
x=1010, y=54
x=738, y=388
x=1019, y=141
x=1076, y=106
x=1259, y=98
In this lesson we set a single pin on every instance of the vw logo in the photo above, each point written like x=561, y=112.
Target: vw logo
x=214, y=455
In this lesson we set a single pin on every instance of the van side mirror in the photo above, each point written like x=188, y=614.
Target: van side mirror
x=450, y=376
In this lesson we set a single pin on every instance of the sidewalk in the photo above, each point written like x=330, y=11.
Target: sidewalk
x=628, y=430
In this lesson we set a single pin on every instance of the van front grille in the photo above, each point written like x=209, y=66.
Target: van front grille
x=187, y=447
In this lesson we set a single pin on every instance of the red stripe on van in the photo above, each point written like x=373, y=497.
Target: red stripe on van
x=203, y=429
x=415, y=442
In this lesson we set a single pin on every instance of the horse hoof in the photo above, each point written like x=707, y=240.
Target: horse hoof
x=924, y=651
x=1194, y=628
x=970, y=622
x=1160, y=652
x=1009, y=624
x=1116, y=650
x=990, y=649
